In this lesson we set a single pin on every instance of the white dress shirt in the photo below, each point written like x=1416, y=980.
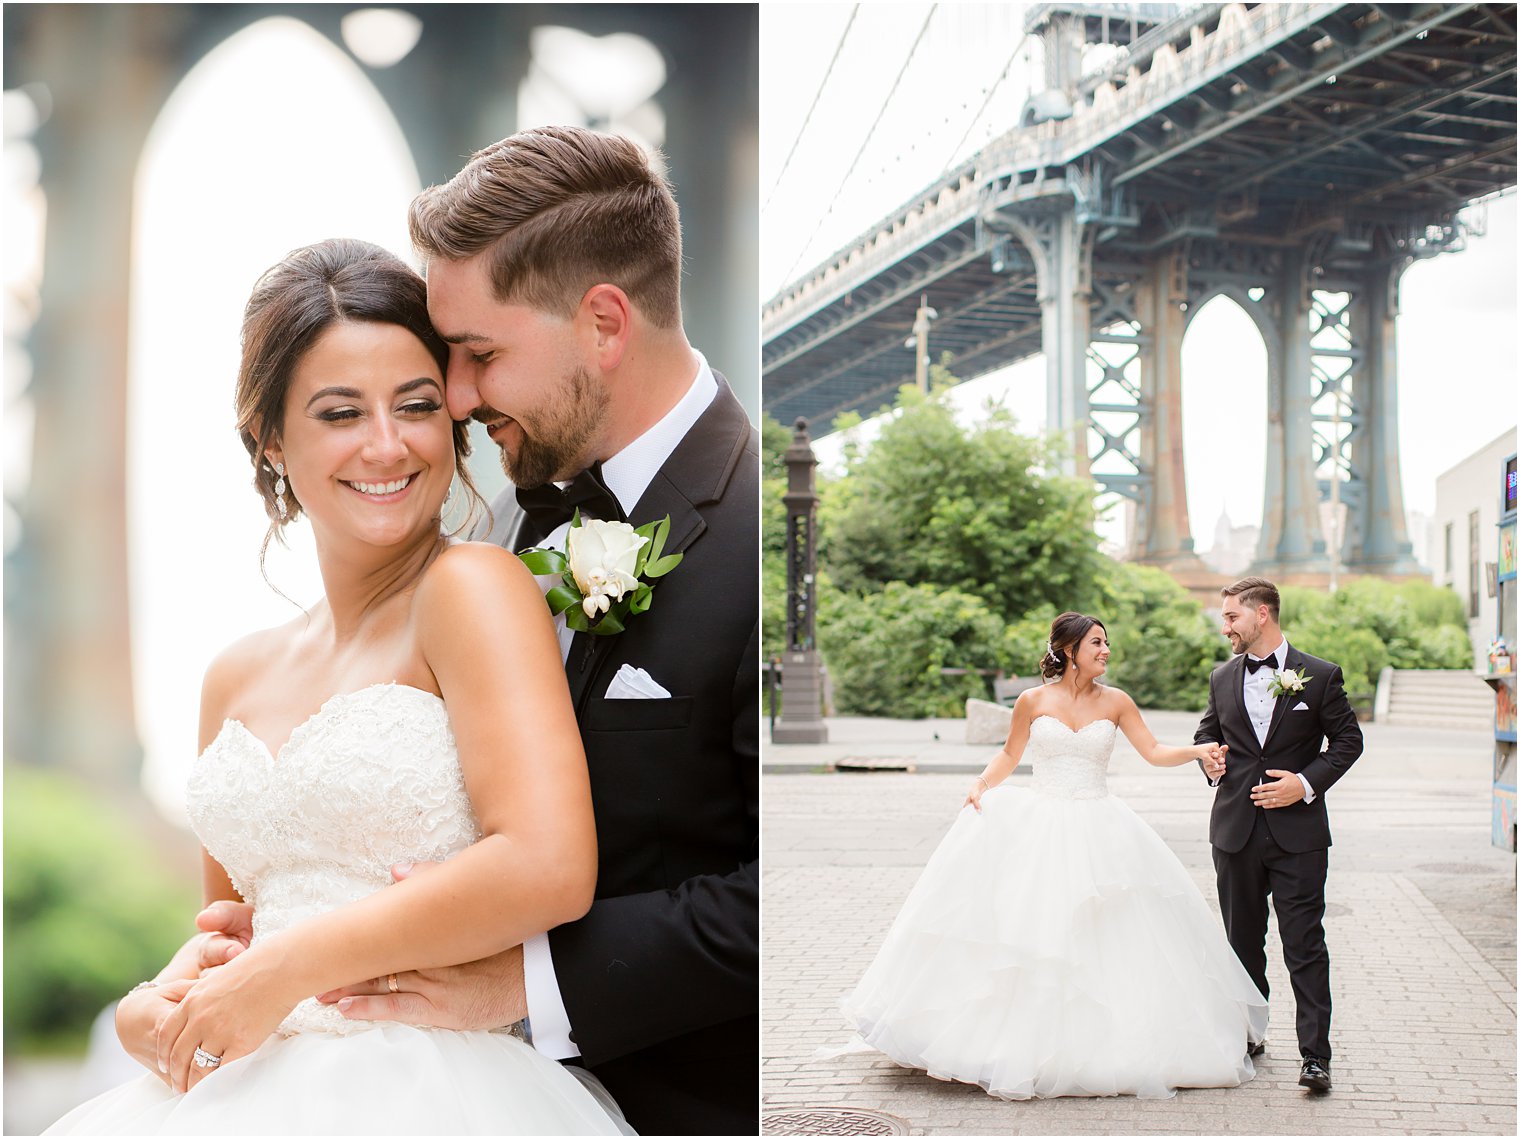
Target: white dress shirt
x=1260, y=702
x=627, y=475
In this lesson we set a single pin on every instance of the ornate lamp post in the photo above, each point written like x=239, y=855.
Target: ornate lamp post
x=801, y=687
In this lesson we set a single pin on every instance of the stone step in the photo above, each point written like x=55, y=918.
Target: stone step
x=1410, y=720
x=1435, y=698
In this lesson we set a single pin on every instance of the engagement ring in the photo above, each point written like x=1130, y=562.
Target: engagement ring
x=204, y=1059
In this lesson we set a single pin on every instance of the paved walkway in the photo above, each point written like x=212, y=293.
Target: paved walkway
x=1421, y=926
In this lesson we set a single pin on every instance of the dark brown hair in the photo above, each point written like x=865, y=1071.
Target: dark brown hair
x=560, y=209
x=1254, y=591
x=1066, y=632
x=293, y=304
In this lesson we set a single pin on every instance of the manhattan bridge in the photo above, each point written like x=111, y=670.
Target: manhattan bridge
x=1296, y=158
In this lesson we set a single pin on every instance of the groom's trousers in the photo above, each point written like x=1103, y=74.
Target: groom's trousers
x=1296, y=883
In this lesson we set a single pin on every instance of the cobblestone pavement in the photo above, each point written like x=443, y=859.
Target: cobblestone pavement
x=1420, y=921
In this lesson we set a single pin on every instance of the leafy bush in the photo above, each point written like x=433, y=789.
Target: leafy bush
x=89, y=909
x=1162, y=645
x=885, y=650
x=1358, y=651
x=1371, y=624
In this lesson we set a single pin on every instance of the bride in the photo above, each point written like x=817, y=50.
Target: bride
x=1054, y=945
x=417, y=713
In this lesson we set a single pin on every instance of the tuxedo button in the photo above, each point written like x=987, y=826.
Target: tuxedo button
x=572, y=1038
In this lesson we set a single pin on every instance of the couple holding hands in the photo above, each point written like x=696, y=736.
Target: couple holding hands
x=1055, y=946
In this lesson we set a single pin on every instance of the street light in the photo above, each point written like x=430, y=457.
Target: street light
x=920, y=340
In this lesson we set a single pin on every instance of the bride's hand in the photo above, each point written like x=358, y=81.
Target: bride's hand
x=974, y=796
x=228, y=1013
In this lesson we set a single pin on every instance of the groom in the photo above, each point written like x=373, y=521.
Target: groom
x=554, y=267
x=1272, y=707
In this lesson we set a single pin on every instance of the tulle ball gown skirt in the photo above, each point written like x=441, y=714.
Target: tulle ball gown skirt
x=390, y=1080
x=1056, y=947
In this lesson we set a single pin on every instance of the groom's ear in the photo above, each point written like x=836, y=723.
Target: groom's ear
x=607, y=318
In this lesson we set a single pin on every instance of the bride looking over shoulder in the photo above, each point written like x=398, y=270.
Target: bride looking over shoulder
x=418, y=712
x=1054, y=945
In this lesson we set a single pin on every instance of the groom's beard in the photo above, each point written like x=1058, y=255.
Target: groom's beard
x=556, y=444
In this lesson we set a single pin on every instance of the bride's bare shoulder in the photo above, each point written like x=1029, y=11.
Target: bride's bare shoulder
x=475, y=582
x=476, y=569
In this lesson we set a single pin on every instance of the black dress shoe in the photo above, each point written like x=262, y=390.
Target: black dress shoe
x=1316, y=1075
x=1256, y=1048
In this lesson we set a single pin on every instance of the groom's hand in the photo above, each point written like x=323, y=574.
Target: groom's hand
x=483, y=994
x=1284, y=791
x=1214, y=762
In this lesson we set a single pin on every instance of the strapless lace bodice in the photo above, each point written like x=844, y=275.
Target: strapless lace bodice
x=1068, y=764
x=370, y=780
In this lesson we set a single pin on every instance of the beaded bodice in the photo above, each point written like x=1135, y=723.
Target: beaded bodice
x=369, y=780
x=1068, y=764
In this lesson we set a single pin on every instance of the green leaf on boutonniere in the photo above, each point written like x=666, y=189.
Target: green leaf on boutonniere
x=541, y=562
x=561, y=598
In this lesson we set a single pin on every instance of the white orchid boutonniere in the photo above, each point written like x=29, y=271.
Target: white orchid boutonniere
x=600, y=572
x=1287, y=682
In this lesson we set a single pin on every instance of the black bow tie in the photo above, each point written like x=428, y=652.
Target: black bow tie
x=1252, y=663
x=548, y=507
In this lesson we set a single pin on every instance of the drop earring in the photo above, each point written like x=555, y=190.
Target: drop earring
x=279, y=490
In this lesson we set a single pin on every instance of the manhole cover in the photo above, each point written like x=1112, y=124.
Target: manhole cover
x=1456, y=868
x=832, y=1121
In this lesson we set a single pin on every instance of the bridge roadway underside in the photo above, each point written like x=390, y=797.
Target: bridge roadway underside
x=1294, y=157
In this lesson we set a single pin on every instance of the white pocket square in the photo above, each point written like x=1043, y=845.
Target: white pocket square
x=1299, y=707
x=635, y=684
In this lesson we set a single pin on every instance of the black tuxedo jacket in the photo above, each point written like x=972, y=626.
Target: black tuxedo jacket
x=1293, y=744
x=661, y=977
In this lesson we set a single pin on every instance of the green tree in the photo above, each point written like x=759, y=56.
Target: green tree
x=885, y=650
x=968, y=508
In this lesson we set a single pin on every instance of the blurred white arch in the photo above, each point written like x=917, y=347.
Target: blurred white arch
x=274, y=140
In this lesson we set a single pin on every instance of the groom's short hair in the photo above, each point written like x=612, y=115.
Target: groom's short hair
x=1254, y=591
x=557, y=210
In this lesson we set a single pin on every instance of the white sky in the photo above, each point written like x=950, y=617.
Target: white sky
x=1456, y=333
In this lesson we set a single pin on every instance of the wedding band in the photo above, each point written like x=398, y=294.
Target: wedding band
x=391, y=983
x=204, y=1059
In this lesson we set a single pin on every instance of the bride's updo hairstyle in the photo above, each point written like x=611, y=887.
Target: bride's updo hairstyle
x=1066, y=633
x=293, y=304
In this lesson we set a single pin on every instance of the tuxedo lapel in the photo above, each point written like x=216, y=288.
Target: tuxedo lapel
x=1236, y=679
x=1284, y=702
x=697, y=472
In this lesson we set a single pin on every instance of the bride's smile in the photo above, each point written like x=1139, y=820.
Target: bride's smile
x=366, y=440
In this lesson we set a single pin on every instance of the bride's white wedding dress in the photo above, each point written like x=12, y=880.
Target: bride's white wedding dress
x=370, y=780
x=1056, y=946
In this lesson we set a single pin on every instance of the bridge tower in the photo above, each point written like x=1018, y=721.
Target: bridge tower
x=1117, y=293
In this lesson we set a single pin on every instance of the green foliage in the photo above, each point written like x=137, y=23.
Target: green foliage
x=89, y=909
x=1162, y=646
x=951, y=546
x=885, y=650
x=933, y=502
x=1370, y=624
